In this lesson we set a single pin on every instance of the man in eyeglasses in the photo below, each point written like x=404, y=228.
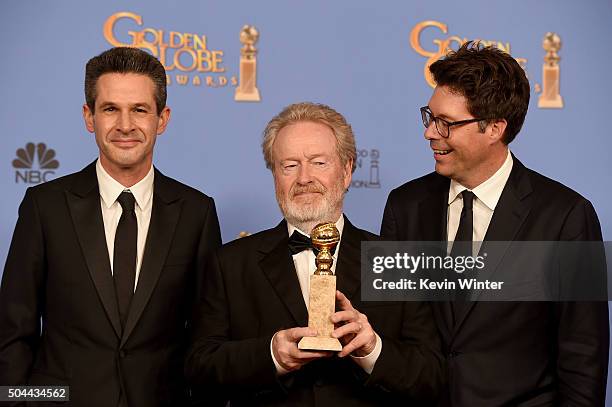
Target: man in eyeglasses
x=501, y=353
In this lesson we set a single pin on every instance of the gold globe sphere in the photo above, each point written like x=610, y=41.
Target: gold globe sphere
x=552, y=42
x=249, y=35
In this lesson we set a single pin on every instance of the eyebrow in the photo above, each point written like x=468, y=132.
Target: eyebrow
x=308, y=157
x=441, y=115
x=317, y=155
x=137, y=104
x=445, y=117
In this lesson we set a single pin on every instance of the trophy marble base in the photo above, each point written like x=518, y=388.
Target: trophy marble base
x=550, y=97
x=319, y=343
x=247, y=96
x=554, y=103
x=322, y=304
x=247, y=89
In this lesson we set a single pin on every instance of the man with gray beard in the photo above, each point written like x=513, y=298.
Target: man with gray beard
x=253, y=312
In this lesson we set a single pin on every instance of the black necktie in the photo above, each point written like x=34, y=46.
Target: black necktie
x=462, y=246
x=298, y=243
x=124, y=257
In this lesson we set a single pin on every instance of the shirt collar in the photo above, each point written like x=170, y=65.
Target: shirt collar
x=339, y=225
x=110, y=189
x=489, y=191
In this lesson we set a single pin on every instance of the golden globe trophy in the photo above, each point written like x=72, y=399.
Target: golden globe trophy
x=247, y=87
x=322, y=298
x=550, y=97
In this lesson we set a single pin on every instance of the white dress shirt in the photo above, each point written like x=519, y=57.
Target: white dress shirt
x=486, y=194
x=305, y=266
x=110, y=190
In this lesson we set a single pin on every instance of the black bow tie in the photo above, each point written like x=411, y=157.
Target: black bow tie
x=298, y=243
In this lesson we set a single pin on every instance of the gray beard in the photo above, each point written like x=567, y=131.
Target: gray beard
x=305, y=217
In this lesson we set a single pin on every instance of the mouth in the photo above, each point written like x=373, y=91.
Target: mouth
x=306, y=194
x=125, y=143
x=441, y=152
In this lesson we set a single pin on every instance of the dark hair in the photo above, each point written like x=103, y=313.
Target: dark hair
x=125, y=60
x=493, y=83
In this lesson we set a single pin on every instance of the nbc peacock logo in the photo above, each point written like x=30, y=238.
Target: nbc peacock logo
x=34, y=164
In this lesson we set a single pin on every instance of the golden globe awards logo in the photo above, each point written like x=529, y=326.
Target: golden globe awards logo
x=367, y=172
x=549, y=98
x=441, y=46
x=34, y=164
x=187, y=57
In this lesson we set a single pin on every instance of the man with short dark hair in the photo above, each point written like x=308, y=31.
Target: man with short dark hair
x=500, y=354
x=110, y=258
x=253, y=313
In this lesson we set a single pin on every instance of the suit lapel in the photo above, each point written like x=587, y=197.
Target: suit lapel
x=509, y=215
x=84, y=204
x=433, y=211
x=513, y=206
x=277, y=265
x=348, y=269
x=164, y=217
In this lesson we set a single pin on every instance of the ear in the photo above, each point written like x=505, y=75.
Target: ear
x=498, y=128
x=348, y=173
x=163, y=120
x=88, y=117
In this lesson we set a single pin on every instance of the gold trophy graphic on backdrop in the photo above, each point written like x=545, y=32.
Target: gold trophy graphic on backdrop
x=550, y=97
x=247, y=88
x=322, y=298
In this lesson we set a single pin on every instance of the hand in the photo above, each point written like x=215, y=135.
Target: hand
x=286, y=352
x=352, y=329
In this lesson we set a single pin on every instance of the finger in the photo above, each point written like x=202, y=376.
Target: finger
x=298, y=358
x=350, y=328
x=361, y=344
x=348, y=315
x=357, y=342
x=295, y=334
x=295, y=358
x=342, y=301
x=307, y=355
x=308, y=360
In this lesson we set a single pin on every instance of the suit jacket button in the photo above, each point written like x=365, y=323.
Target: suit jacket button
x=453, y=354
x=122, y=354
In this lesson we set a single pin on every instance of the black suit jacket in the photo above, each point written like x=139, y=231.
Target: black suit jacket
x=58, y=269
x=252, y=291
x=514, y=354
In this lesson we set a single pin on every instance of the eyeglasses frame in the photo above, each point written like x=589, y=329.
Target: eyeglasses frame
x=425, y=110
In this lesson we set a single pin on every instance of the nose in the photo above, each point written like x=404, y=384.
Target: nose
x=431, y=133
x=124, y=124
x=304, y=174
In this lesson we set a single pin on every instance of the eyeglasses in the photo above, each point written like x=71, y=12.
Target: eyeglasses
x=442, y=126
